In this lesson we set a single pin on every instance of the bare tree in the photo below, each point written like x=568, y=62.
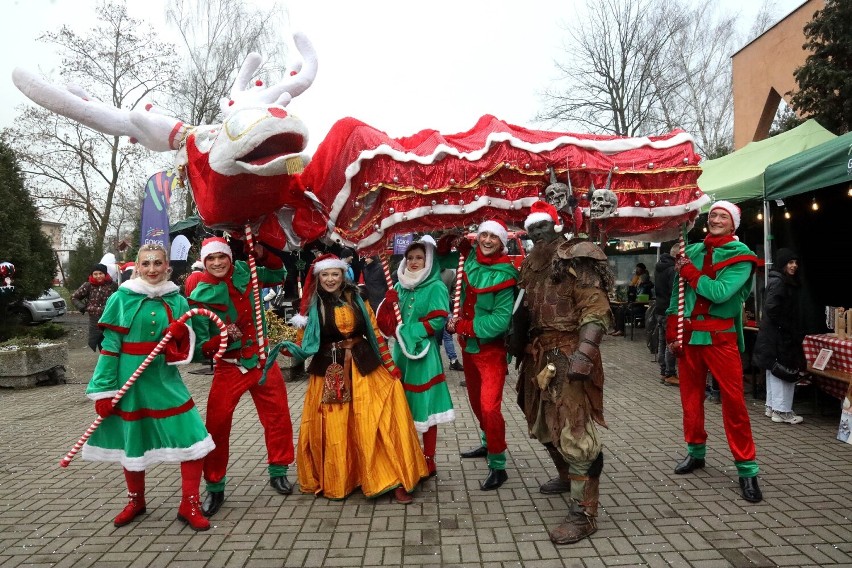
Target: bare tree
x=617, y=72
x=643, y=66
x=86, y=178
x=702, y=104
x=218, y=34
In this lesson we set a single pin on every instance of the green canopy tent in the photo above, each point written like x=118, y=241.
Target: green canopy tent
x=814, y=185
x=825, y=165
x=739, y=176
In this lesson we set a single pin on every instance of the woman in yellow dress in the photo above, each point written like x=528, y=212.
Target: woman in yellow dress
x=356, y=426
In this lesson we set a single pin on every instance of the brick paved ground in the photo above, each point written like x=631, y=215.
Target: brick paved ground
x=649, y=516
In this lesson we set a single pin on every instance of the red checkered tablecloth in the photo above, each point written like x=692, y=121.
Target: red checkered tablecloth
x=841, y=358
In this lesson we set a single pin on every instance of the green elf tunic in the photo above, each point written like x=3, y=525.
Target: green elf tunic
x=156, y=420
x=487, y=299
x=213, y=294
x=424, y=305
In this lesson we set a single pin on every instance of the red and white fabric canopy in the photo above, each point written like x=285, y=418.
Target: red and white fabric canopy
x=375, y=186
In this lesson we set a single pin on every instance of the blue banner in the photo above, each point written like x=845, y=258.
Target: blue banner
x=155, y=208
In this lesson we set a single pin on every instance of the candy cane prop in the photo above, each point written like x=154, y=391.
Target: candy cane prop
x=681, y=303
x=255, y=293
x=223, y=345
x=386, y=269
x=457, y=292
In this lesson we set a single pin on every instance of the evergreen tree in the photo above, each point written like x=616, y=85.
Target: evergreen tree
x=825, y=80
x=80, y=264
x=23, y=243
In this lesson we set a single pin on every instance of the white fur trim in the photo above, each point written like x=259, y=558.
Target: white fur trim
x=140, y=286
x=732, y=210
x=494, y=228
x=102, y=394
x=405, y=351
x=216, y=246
x=191, y=349
x=435, y=419
x=536, y=218
x=299, y=321
x=330, y=263
x=161, y=455
x=405, y=278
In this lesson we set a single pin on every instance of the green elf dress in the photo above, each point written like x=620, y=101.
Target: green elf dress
x=156, y=420
x=424, y=305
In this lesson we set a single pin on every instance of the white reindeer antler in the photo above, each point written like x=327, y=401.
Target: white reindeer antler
x=244, y=95
x=154, y=131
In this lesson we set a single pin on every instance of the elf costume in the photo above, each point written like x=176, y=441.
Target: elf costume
x=487, y=299
x=156, y=420
x=717, y=282
x=240, y=370
x=423, y=304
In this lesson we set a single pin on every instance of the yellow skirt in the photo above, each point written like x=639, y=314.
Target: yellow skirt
x=369, y=442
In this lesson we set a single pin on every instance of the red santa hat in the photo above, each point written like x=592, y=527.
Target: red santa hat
x=215, y=244
x=309, y=290
x=543, y=211
x=732, y=210
x=495, y=227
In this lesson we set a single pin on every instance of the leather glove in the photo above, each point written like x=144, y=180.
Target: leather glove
x=446, y=243
x=178, y=330
x=588, y=349
x=392, y=296
x=104, y=408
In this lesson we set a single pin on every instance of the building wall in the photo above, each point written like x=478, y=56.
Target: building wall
x=763, y=73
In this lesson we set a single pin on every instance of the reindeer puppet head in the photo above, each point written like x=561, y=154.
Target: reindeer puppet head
x=243, y=171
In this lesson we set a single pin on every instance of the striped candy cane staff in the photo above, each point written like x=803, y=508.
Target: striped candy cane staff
x=457, y=291
x=386, y=269
x=223, y=344
x=255, y=293
x=681, y=303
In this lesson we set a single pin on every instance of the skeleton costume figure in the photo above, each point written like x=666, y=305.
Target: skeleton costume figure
x=563, y=315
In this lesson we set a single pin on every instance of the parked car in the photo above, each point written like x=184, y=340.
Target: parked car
x=44, y=308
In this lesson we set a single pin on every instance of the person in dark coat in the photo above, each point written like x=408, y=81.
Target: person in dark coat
x=780, y=336
x=664, y=278
x=374, y=280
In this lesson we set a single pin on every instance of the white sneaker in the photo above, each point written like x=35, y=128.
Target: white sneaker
x=767, y=411
x=788, y=417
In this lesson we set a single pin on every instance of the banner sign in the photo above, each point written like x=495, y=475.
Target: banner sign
x=155, y=208
x=401, y=242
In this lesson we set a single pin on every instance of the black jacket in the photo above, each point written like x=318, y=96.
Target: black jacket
x=374, y=280
x=780, y=335
x=664, y=278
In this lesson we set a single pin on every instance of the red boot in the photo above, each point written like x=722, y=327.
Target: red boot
x=190, y=513
x=190, y=506
x=136, y=492
x=430, y=464
x=133, y=509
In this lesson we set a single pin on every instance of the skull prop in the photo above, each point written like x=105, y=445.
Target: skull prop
x=557, y=193
x=603, y=204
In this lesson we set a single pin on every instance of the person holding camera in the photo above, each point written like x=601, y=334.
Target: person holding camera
x=778, y=348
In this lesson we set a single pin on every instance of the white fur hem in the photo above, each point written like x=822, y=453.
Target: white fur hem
x=435, y=419
x=191, y=349
x=102, y=394
x=405, y=351
x=151, y=457
x=299, y=321
x=151, y=290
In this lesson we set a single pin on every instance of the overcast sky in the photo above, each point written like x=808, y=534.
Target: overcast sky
x=400, y=66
